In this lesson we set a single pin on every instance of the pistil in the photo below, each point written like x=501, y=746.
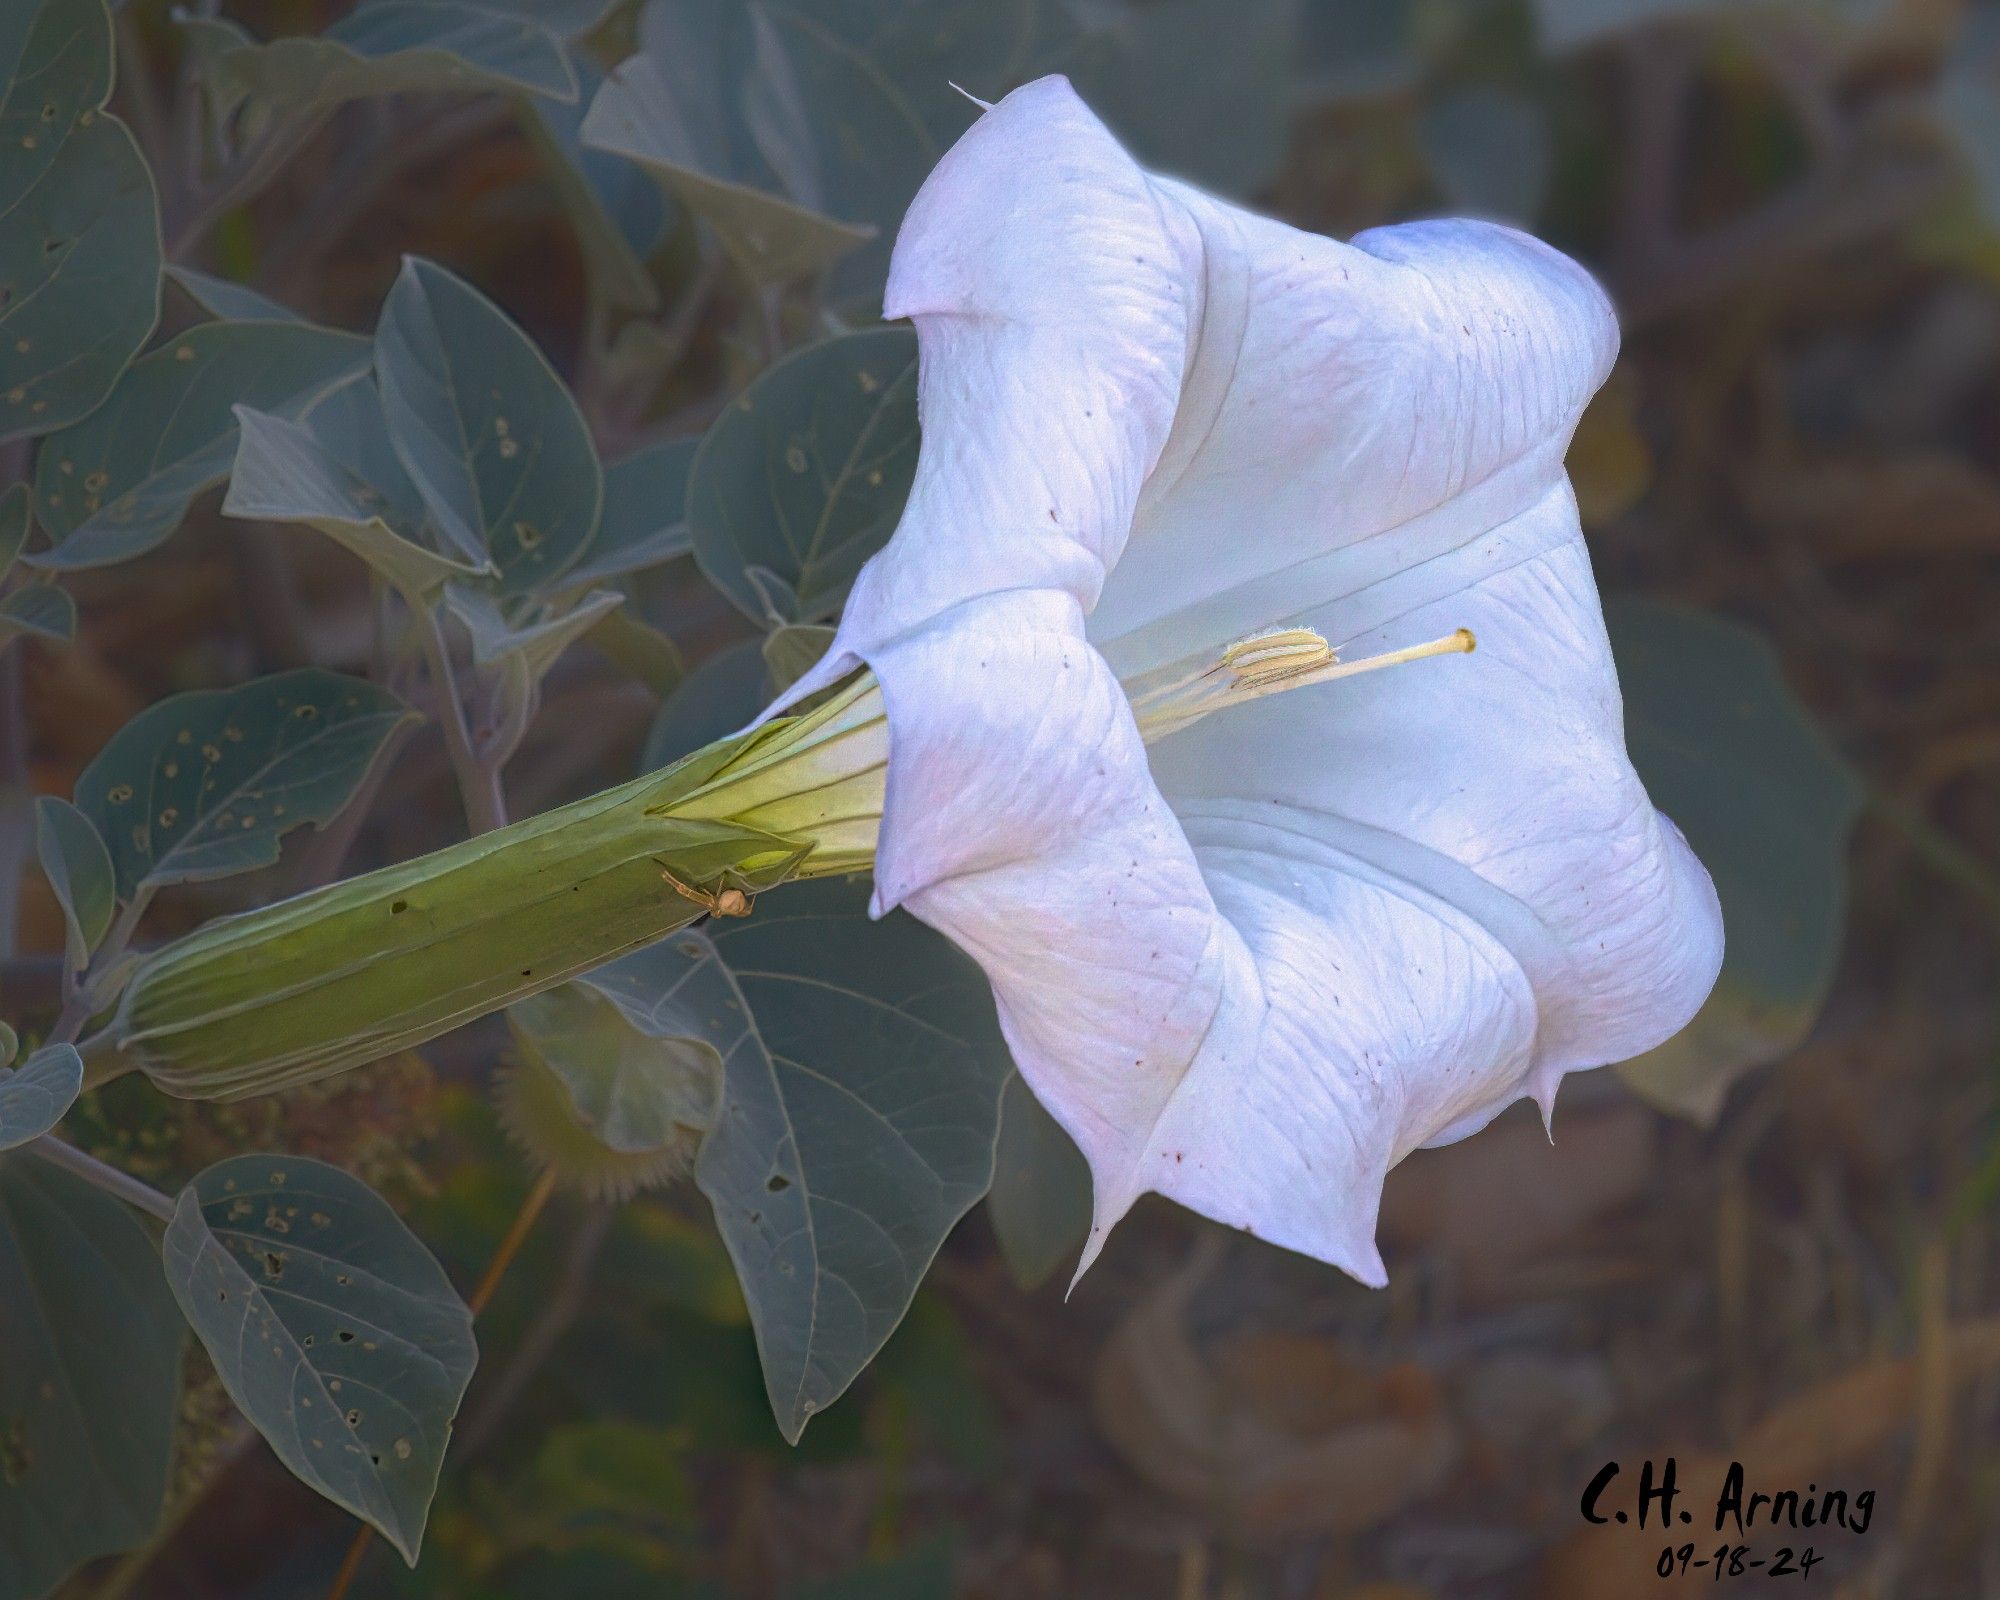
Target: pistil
x=1172, y=698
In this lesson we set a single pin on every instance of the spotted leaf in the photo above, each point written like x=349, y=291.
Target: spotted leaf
x=203, y=785
x=79, y=224
x=334, y=1330
x=487, y=432
x=804, y=476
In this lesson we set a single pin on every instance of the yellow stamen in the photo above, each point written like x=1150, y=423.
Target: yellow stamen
x=1268, y=663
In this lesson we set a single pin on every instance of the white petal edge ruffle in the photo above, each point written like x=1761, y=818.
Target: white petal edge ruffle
x=1309, y=935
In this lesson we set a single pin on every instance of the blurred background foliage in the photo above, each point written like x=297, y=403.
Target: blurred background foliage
x=294, y=232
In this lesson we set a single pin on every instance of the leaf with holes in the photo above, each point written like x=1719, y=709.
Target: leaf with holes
x=862, y=1072
x=205, y=784
x=34, y=1095
x=804, y=476
x=341, y=477
x=89, y=1386
x=41, y=609
x=79, y=225
x=334, y=1330
x=644, y=521
x=1730, y=754
x=78, y=867
x=119, y=482
x=488, y=433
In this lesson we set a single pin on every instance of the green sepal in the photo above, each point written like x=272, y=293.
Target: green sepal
x=358, y=970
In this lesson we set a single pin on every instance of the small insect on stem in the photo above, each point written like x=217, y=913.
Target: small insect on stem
x=719, y=902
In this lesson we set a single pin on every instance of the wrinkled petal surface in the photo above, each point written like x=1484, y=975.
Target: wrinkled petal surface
x=1255, y=966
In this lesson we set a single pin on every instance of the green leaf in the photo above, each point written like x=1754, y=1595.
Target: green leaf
x=861, y=1083
x=1491, y=151
x=794, y=650
x=89, y=1386
x=635, y=1087
x=1731, y=755
x=10, y=1044
x=702, y=107
x=535, y=635
x=35, y=1095
x=718, y=697
x=1040, y=1203
x=644, y=521
x=618, y=211
x=488, y=433
x=117, y=484
x=79, y=225
x=394, y=46
x=288, y=473
x=40, y=608
x=205, y=784
x=13, y=526
x=804, y=476
x=231, y=302
x=333, y=1329
x=78, y=867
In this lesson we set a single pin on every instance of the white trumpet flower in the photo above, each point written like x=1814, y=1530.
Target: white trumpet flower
x=1171, y=450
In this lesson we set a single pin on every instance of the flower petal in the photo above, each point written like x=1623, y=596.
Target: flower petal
x=1053, y=324
x=1352, y=410
x=1375, y=911
x=1022, y=821
x=1499, y=780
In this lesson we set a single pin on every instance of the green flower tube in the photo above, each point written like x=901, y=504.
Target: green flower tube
x=355, y=971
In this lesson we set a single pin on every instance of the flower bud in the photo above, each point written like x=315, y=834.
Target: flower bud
x=346, y=974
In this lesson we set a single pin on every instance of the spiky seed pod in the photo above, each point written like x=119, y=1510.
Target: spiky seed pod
x=539, y=1116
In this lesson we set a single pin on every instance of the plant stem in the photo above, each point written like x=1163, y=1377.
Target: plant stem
x=86, y=993
x=242, y=180
x=106, y=1177
x=532, y=1206
x=103, y=1060
x=478, y=782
